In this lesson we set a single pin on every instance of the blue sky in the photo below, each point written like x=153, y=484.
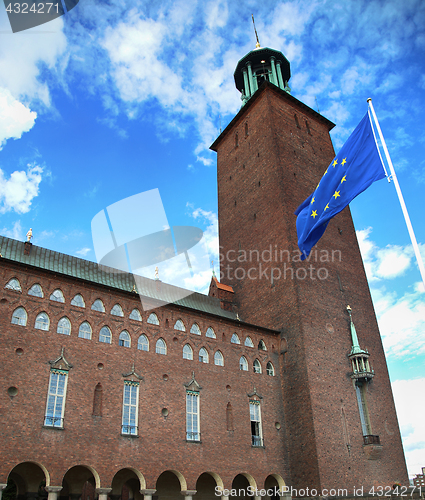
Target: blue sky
x=117, y=98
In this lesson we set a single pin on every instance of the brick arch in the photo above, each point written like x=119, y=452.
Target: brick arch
x=76, y=476
x=170, y=480
x=124, y=475
x=206, y=485
x=242, y=481
x=271, y=482
x=27, y=476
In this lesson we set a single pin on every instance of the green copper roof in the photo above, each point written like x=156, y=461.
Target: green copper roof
x=74, y=267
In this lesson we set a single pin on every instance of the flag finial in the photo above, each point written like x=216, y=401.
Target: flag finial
x=257, y=45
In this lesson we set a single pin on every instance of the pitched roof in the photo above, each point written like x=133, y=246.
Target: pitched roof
x=75, y=267
x=223, y=287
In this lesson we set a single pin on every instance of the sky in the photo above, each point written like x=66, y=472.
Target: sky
x=122, y=97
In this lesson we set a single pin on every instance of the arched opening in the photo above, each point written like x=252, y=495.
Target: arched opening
x=80, y=481
x=27, y=481
x=206, y=484
x=169, y=485
x=126, y=485
x=240, y=484
x=274, y=485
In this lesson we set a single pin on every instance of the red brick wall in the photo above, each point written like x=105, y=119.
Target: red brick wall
x=260, y=184
x=96, y=441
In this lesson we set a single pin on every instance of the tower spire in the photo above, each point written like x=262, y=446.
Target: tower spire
x=257, y=45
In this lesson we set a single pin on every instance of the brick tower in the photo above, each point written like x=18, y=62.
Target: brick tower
x=341, y=422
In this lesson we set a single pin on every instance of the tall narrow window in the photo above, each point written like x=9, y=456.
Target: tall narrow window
x=55, y=407
x=256, y=430
x=229, y=417
x=143, y=343
x=97, y=400
x=64, y=326
x=257, y=366
x=19, y=317
x=270, y=369
x=130, y=408
x=192, y=416
x=364, y=413
x=243, y=364
x=218, y=359
x=203, y=355
x=187, y=352
x=161, y=347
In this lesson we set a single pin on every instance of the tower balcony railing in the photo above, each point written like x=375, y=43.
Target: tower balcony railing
x=370, y=439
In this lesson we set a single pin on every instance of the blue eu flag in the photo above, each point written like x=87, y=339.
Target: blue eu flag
x=353, y=170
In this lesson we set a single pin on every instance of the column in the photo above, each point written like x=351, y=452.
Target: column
x=53, y=492
x=252, y=82
x=272, y=60
x=188, y=494
x=147, y=494
x=2, y=487
x=279, y=76
x=246, y=84
x=103, y=493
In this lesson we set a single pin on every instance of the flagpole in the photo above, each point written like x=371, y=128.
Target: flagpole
x=400, y=196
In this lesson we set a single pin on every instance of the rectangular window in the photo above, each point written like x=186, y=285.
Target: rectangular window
x=130, y=408
x=256, y=430
x=364, y=414
x=56, y=398
x=192, y=416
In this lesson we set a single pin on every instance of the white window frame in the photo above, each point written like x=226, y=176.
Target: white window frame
x=117, y=311
x=130, y=409
x=103, y=337
x=42, y=325
x=153, y=319
x=135, y=315
x=256, y=366
x=98, y=306
x=218, y=358
x=270, y=369
x=193, y=429
x=179, y=326
x=85, y=333
x=195, y=329
x=56, y=397
x=19, y=318
x=75, y=301
x=38, y=292
x=203, y=355
x=60, y=326
x=57, y=296
x=159, y=350
x=145, y=343
x=243, y=364
x=256, y=424
x=210, y=333
x=187, y=352
x=235, y=339
x=124, y=342
x=13, y=284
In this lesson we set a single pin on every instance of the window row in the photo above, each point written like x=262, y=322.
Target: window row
x=55, y=409
x=42, y=322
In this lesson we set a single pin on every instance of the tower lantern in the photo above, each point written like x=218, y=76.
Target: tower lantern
x=258, y=65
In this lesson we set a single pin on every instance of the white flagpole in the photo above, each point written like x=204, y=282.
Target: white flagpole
x=400, y=196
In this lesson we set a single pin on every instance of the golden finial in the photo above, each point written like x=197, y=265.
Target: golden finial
x=257, y=45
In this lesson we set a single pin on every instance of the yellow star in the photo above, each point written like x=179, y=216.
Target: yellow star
x=312, y=201
x=314, y=214
x=343, y=179
x=335, y=162
x=336, y=194
x=325, y=172
x=344, y=161
x=327, y=206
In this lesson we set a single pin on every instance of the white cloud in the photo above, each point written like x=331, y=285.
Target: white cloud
x=16, y=232
x=17, y=192
x=83, y=252
x=407, y=394
x=15, y=118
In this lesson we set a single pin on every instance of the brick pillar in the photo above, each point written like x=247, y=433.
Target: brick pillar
x=53, y=492
x=147, y=494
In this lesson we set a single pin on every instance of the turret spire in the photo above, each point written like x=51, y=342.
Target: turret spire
x=257, y=45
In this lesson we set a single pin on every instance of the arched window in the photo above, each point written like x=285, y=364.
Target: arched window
x=84, y=331
x=135, y=314
x=270, y=369
x=36, y=291
x=203, y=355
x=195, y=329
x=179, y=326
x=243, y=364
x=161, y=347
x=105, y=335
x=64, y=326
x=218, y=359
x=257, y=366
x=187, y=352
x=117, y=310
x=153, y=319
x=124, y=339
x=42, y=322
x=262, y=346
x=78, y=301
x=19, y=317
x=98, y=306
x=14, y=284
x=249, y=342
x=57, y=296
x=235, y=339
x=210, y=333
x=143, y=343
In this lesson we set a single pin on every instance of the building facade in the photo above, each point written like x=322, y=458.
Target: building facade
x=264, y=385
